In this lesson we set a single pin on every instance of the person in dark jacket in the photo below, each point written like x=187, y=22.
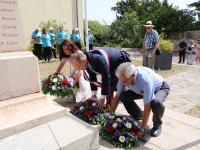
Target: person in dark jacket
x=102, y=61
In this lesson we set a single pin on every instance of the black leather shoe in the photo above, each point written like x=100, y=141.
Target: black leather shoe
x=156, y=131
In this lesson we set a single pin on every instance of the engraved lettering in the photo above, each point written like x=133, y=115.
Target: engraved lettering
x=12, y=43
x=9, y=35
x=11, y=19
x=1, y=43
x=6, y=10
x=9, y=27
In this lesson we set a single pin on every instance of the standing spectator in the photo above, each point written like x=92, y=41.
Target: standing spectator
x=191, y=52
x=150, y=44
x=72, y=35
x=36, y=36
x=46, y=44
x=182, y=47
x=90, y=38
x=198, y=52
x=53, y=41
x=61, y=35
x=77, y=38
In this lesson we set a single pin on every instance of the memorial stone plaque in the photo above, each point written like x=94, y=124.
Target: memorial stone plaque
x=19, y=72
x=12, y=37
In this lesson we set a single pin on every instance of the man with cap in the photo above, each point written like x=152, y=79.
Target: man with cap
x=150, y=44
x=52, y=35
x=90, y=38
x=77, y=38
x=36, y=37
x=61, y=35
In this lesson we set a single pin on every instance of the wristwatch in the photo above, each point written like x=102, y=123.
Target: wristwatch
x=142, y=130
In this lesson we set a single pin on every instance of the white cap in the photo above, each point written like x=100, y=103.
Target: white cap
x=76, y=29
x=37, y=28
x=50, y=28
x=89, y=30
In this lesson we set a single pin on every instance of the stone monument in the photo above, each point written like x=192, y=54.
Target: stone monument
x=22, y=106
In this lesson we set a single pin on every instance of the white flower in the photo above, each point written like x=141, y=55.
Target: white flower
x=114, y=125
x=128, y=125
x=119, y=120
x=122, y=139
x=81, y=108
x=55, y=80
x=110, y=116
x=106, y=114
x=54, y=87
x=124, y=118
x=94, y=104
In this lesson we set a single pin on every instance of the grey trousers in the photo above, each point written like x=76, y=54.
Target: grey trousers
x=157, y=107
x=149, y=61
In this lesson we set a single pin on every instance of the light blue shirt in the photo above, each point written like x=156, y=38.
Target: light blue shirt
x=90, y=36
x=151, y=39
x=146, y=83
x=46, y=42
x=52, y=35
x=76, y=36
x=61, y=35
x=72, y=36
x=36, y=34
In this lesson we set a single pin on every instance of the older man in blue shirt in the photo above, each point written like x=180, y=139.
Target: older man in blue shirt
x=141, y=82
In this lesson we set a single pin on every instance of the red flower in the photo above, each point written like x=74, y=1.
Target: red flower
x=65, y=82
x=134, y=131
x=57, y=73
x=88, y=113
x=110, y=128
x=120, y=117
x=47, y=82
x=76, y=107
x=90, y=101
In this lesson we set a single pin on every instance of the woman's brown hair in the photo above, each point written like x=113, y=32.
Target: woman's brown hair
x=71, y=46
x=43, y=30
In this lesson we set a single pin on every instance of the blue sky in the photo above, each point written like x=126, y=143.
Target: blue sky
x=100, y=9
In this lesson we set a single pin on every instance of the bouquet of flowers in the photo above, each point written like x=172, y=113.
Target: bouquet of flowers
x=121, y=131
x=58, y=85
x=87, y=111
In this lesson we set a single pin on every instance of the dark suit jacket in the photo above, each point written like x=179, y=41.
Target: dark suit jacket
x=98, y=64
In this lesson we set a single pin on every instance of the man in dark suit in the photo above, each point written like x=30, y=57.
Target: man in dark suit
x=103, y=61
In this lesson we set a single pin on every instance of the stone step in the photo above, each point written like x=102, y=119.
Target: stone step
x=66, y=133
x=25, y=112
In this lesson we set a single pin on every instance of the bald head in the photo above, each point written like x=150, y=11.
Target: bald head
x=79, y=60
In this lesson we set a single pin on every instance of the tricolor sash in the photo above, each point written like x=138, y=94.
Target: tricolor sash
x=109, y=97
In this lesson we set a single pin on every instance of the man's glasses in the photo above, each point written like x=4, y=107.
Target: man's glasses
x=148, y=28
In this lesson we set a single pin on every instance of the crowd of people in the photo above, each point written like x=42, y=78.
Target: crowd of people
x=193, y=51
x=47, y=42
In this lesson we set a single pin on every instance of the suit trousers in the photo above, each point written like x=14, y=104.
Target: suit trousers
x=181, y=54
x=127, y=98
x=149, y=61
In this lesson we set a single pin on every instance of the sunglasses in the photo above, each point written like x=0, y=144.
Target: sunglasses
x=148, y=28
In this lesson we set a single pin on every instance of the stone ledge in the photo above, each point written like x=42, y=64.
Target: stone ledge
x=71, y=133
x=22, y=113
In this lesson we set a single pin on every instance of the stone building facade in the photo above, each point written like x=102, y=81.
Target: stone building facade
x=35, y=11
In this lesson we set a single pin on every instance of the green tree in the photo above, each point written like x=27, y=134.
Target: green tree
x=172, y=20
x=100, y=31
x=52, y=23
x=127, y=29
x=196, y=5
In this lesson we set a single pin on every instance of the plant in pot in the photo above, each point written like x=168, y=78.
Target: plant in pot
x=164, y=60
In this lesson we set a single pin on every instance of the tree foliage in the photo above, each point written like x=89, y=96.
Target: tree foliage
x=52, y=23
x=100, y=31
x=196, y=5
x=172, y=20
x=127, y=29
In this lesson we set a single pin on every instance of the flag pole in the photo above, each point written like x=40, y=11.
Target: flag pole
x=86, y=26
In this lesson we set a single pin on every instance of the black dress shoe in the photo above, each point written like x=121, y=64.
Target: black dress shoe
x=156, y=131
